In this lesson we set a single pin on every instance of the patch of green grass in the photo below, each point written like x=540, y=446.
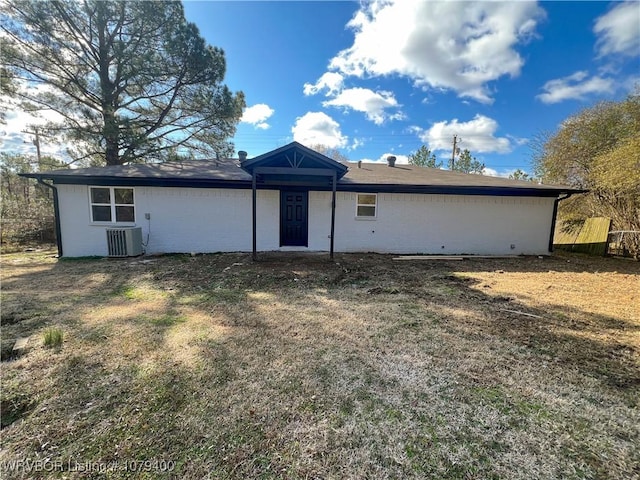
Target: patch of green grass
x=125, y=290
x=494, y=396
x=53, y=337
x=531, y=409
x=439, y=452
x=140, y=291
x=447, y=291
x=518, y=409
x=393, y=414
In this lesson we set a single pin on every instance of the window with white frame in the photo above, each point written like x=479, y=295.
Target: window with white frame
x=112, y=205
x=366, y=205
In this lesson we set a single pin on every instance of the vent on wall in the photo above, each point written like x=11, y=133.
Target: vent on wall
x=124, y=242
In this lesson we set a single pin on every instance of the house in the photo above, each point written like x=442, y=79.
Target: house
x=295, y=199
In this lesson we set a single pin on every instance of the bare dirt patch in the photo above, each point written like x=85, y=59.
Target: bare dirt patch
x=295, y=366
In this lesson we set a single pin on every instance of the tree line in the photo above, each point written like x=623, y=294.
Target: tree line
x=26, y=208
x=461, y=160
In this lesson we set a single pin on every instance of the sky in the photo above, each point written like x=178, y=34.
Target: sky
x=373, y=79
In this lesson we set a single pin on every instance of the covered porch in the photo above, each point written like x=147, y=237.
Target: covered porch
x=294, y=170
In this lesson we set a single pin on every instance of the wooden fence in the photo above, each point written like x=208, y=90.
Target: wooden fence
x=592, y=238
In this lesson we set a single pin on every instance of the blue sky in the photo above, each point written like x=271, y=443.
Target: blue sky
x=374, y=79
x=379, y=78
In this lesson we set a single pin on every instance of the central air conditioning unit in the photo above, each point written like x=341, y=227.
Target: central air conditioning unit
x=124, y=242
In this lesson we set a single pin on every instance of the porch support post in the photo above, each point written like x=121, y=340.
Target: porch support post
x=333, y=213
x=253, y=216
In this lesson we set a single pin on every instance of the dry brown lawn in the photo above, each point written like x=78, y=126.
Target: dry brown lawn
x=295, y=366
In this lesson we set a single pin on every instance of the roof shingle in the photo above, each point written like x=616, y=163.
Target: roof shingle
x=369, y=176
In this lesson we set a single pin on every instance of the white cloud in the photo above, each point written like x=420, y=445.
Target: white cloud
x=372, y=104
x=477, y=135
x=575, y=87
x=318, y=128
x=257, y=115
x=356, y=143
x=330, y=81
x=618, y=30
x=446, y=45
x=519, y=141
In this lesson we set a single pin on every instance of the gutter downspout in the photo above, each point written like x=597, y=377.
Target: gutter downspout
x=254, y=209
x=56, y=212
x=333, y=214
x=553, y=219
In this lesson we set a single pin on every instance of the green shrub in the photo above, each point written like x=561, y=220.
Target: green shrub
x=53, y=337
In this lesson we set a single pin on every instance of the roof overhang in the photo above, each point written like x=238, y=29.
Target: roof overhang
x=498, y=191
x=273, y=178
x=121, y=181
x=294, y=164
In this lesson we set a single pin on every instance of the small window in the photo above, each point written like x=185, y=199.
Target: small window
x=366, y=205
x=111, y=204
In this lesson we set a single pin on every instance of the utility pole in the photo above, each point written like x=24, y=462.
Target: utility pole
x=36, y=142
x=453, y=152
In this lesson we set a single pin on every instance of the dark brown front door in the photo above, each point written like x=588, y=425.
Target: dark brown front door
x=294, y=229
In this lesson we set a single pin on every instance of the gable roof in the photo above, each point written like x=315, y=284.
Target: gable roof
x=294, y=156
x=230, y=173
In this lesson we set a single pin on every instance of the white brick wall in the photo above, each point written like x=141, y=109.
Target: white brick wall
x=447, y=224
x=218, y=220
